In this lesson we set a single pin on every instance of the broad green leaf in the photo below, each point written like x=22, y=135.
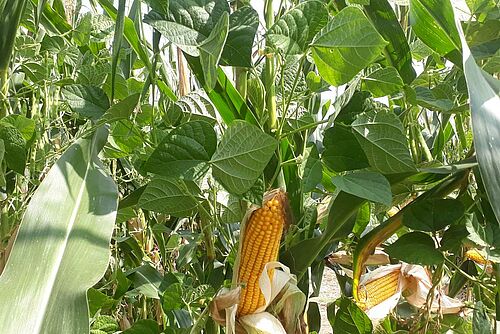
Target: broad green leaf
x=255, y=194
x=241, y=157
x=171, y=298
x=194, y=105
x=120, y=110
x=170, y=196
x=124, y=139
x=355, y=103
x=482, y=235
x=369, y=185
x=243, y=24
x=347, y=44
x=81, y=34
x=146, y=280
x=344, y=207
x=433, y=214
x=232, y=211
x=432, y=21
x=383, y=82
x=349, y=318
x=98, y=300
x=15, y=147
x=71, y=215
x=160, y=6
x=189, y=22
x=294, y=30
x=384, y=19
x=384, y=142
x=104, y=324
x=481, y=323
x=342, y=150
x=184, y=151
x=143, y=326
x=88, y=101
x=415, y=248
x=484, y=101
x=211, y=49
x=311, y=169
x=427, y=99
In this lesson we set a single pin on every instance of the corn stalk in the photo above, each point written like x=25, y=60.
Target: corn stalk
x=270, y=72
x=12, y=11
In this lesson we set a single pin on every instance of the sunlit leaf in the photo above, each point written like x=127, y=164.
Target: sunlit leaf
x=372, y=186
x=384, y=142
x=293, y=32
x=242, y=154
x=347, y=44
x=484, y=101
x=184, y=151
x=71, y=217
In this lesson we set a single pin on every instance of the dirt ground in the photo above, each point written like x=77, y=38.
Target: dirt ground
x=329, y=290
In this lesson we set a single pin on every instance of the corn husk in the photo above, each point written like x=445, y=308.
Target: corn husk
x=418, y=287
x=415, y=284
x=381, y=310
x=284, y=302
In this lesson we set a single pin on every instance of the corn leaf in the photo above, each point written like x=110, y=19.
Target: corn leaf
x=66, y=230
x=484, y=101
x=384, y=19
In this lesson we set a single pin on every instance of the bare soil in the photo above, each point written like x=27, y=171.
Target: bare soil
x=330, y=290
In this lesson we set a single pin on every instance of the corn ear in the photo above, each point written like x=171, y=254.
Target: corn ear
x=476, y=256
x=378, y=290
x=260, y=245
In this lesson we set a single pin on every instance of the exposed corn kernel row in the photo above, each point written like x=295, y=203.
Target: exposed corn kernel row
x=260, y=245
x=378, y=290
x=476, y=256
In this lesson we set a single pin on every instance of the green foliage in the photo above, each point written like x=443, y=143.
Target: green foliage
x=347, y=44
x=67, y=223
x=379, y=119
x=415, y=247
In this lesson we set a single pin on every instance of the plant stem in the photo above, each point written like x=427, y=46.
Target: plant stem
x=240, y=77
x=241, y=73
x=423, y=144
x=4, y=91
x=496, y=268
x=461, y=133
x=207, y=236
x=270, y=73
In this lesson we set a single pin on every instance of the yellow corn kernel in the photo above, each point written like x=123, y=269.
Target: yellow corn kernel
x=476, y=256
x=261, y=244
x=378, y=290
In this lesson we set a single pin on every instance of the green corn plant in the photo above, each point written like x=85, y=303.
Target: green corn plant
x=12, y=11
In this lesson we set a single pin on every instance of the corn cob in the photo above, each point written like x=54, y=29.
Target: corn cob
x=261, y=243
x=378, y=290
x=476, y=256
